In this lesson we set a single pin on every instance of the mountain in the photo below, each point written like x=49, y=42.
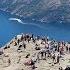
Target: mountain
x=39, y=10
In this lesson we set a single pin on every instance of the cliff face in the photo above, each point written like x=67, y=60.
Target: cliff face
x=41, y=10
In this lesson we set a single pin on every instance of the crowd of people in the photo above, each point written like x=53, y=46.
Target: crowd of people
x=51, y=48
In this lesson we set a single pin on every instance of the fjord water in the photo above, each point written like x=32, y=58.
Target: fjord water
x=8, y=29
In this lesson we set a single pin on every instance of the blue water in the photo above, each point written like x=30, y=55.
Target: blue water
x=8, y=29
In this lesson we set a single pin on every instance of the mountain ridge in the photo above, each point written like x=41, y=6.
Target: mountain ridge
x=41, y=10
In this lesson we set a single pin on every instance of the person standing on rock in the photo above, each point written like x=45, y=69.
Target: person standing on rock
x=53, y=57
x=18, y=41
x=38, y=59
x=42, y=54
x=66, y=48
x=58, y=58
x=24, y=45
